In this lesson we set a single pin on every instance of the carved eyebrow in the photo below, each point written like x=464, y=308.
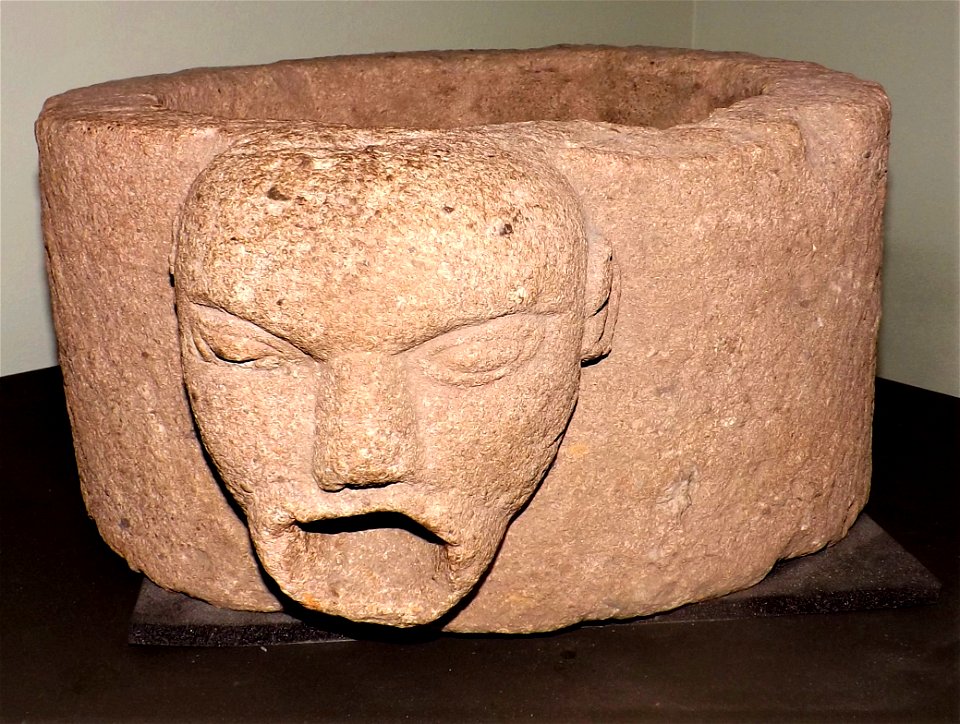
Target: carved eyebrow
x=470, y=325
x=475, y=326
x=207, y=317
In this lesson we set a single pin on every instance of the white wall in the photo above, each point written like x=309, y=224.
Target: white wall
x=911, y=48
x=50, y=47
x=908, y=45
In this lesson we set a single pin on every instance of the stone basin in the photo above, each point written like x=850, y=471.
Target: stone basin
x=723, y=420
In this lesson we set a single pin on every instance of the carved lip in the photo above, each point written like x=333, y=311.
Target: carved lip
x=371, y=521
x=377, y=518
x=399, y=500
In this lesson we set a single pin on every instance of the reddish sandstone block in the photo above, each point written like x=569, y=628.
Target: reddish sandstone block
x=385, y=282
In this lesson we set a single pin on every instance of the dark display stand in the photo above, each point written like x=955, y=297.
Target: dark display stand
x=67, y=600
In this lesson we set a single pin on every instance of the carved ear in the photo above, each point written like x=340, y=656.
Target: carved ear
x=601, y=300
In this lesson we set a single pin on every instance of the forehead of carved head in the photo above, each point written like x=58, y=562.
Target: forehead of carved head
x=378, y=237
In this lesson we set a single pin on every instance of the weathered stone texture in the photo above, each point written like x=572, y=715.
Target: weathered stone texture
x=728, y=427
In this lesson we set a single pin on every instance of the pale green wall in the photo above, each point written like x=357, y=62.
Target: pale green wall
x=50, y=47
x=910, y=48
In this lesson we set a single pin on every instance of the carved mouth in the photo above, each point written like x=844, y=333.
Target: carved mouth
x=378, y=566
x=372, y=521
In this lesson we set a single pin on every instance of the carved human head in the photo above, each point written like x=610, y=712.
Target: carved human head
x=382, y=348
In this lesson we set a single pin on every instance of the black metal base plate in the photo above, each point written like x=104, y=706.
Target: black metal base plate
x=866, y=570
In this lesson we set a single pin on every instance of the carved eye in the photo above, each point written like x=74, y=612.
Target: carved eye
x=480, y=355
x=235, y=350
x=220, y=337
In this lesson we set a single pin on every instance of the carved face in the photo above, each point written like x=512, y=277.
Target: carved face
x=382, y=349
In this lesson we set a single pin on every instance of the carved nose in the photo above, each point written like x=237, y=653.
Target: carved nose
x=366, y=430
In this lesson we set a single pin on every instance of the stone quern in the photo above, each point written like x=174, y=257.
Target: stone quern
x=493, y=341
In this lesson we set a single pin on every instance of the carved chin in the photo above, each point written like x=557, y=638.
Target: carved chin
x=379, y=568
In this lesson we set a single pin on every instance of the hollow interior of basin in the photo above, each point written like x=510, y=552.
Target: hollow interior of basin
x=622, y=86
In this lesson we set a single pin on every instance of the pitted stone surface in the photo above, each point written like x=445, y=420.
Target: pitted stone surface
x=404, y=287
